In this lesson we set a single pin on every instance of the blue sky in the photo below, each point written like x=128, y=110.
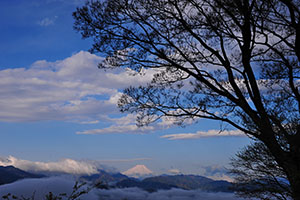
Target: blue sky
x=55, y=103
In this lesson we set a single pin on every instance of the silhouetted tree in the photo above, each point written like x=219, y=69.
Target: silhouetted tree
x=258, y=175
x=235, y=61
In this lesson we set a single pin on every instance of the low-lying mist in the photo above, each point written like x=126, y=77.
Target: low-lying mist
x=64, y=184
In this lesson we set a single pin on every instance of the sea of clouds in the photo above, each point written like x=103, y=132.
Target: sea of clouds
x=173, y=194
x=64, y=184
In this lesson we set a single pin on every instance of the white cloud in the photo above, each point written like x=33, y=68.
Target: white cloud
x=174, y=171
x=125, y=160
x=126, y=120
x=221, y=177
x=90, y=122
x=72, y=2
x=68, y=166
x=169, y=121
x=73, y=89
x=47, y=21
x=202, y=134
x=119, y=129
x=64, y=166
x=217, y=172
x=125, y=124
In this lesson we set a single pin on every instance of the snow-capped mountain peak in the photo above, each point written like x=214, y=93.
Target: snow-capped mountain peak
x=138, y=171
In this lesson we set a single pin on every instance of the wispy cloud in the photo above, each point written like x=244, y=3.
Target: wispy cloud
x=124, y=160
x=174, y=171
x=125, y=124
x=47, y=21
x=119, y=129
x=202, y=134
x=217, y=172
x=90, y=122
x=72, y=2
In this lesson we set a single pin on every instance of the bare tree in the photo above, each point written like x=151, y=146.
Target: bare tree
x=258, y=175
x=235, y=61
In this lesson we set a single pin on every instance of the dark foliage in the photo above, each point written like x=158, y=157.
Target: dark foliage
x=258, y=175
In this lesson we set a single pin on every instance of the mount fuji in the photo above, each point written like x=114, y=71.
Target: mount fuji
x=138, y=171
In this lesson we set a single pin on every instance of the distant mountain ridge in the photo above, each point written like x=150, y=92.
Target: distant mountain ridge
x=187, y=182
x=11, y=174
x=105, y=177
x=163, y=182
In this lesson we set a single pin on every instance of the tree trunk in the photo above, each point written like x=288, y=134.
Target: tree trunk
x=294, y=179
x=289, y=161
x=295, y=186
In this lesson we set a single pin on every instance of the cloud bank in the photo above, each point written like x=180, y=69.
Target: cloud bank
x=202, y=134
x=63, y=166
x=70, y=89
x=74, y=89
x=173, y=194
